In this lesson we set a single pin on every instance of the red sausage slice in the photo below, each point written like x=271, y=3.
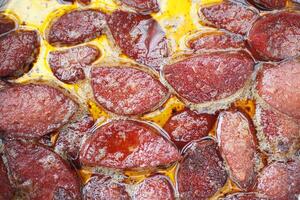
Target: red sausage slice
x=6, y=191
x=276, y=36
x=140, y=37
x=188, y=125
x=201, y=173
x=216, y=41
x=18, y=50
x=70, y=137
x=6, y=24
x=127, y=91
x=33, y=110
x=68, y=65
x=102, y=188
x=233, y=17
x=156, y=187
x=269, y=4
x=279, y=87
x=237, y=146
x=210, y=76
x=127, y=144
x=245, y=196
x=76, y=27
x=40, y=173
x=280, y=130
x=143, y=6
x=280, y=181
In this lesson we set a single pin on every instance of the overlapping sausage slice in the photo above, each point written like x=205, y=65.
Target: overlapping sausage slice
x=280, y=181
x=281, y=131
x=189, y=125
x=211, y=76
x=156, y=187
x=68, y=65
x=76, y=27
x=33, y=110
x=6, y=191
x=18, y=50
x=216, y=41
x=228, y=15
x=201, y=174
x=70, y=137
x=276, y=36
x=279, y=87
x=143, y=6
x=39, y=173
x=6, y=24
x=126, y=90
x=101, y=187
x=126, y=144
x=237, y=146
x=269, y=4
x=140, y=37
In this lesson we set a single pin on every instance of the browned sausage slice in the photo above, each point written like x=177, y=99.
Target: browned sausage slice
x=269, y=4
x=40, y=173
x=33, y=110
x=233, y=17
x=127, y=144
x=6, y=24
x=143, y=6
x=188, y=125
x=103, y=188
x=140, y=37
x=211, y=76
x=18, y=50
x=126, y=90
x=216, y=41
x=245, y=196
x=237, y=146
x=156, y=187
x=276, y=36
x=202, y=173
x=76, y=27
x=279, y=87
x=280, y=181
x=68, y=65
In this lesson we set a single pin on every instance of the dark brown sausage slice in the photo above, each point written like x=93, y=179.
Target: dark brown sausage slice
x=276, y=36
x=70, y=137
x=127, y=144
x=202, y=173
x=216, y=41
x=281, y=131
x=18, y=50
x=280, y=181
x=33, y=110
x=6, y=191
x=237, y=146
x=127, y=91
x=211, y=76
x=143, y=6
x=68, y=65
x=279, y=87
x=188, y=125
x=140, y=37
x=6, y=24
x=156, y=187
x=76, y=27
x=103, y=188
x=233, y=17
x=269, y=4
x=40, y=173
